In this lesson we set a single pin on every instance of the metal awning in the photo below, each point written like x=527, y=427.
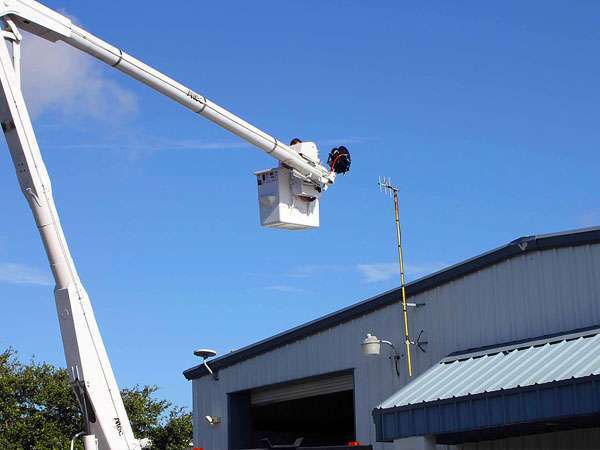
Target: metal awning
x=549, y=380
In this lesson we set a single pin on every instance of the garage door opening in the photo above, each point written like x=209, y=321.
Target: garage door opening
x=317, y=412
x=319, y=421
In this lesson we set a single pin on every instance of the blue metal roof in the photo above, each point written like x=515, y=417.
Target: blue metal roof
x=508, y=367
x=529, y=382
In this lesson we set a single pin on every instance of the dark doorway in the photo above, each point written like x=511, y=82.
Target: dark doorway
x=320, y=420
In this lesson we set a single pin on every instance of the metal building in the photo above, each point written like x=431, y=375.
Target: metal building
x=512, y=361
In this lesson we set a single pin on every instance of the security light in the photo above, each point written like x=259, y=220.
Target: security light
x=371, y=345
x=206, y=353
x=212, y=420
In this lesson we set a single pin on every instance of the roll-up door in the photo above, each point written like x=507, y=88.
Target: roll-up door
x=304, y=389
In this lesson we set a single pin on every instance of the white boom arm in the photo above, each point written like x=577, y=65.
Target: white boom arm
x=44, y=22
x=87, y=362
x=107, y=424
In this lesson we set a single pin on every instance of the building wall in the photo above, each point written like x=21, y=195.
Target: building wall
x=584, y=439
x=530, y=295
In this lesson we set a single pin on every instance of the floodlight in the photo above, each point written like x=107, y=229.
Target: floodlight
x=212, y=420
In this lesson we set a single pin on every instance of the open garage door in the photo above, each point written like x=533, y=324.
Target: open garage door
x=308, y=388
x=315, y=412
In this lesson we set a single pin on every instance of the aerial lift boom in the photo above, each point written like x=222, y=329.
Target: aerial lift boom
x=106, y=423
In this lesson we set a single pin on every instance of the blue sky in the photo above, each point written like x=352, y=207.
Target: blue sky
x=486, y=116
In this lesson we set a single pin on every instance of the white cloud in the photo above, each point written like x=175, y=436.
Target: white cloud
x=136, y=146
x=370, y=272
x=373, y=273
x=154, y=144
x=20, y=274
x=285, y=289
x=61, y=79
x=378, y=272
x=138, y=143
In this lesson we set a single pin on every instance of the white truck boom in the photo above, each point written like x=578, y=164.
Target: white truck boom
x=106, y=423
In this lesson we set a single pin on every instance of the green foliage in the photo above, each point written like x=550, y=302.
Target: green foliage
x=37, y=407
x=169, y=427
x=38, y=410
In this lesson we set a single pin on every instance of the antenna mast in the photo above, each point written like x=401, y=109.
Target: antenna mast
x=386, y=186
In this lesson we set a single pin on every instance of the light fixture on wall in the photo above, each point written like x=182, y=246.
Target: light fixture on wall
x=213, y=420
x=371, y=345
x=206, y=353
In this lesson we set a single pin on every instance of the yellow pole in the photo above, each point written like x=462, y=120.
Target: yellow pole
x=403, y=284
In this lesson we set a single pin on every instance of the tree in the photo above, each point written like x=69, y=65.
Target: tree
x=169, y=427
x=38, y=410
x=37, y=407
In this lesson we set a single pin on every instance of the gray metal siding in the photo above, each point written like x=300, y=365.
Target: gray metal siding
x=530, y=295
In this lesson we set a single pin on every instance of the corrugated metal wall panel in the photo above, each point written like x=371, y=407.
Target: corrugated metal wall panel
x=530, y=295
